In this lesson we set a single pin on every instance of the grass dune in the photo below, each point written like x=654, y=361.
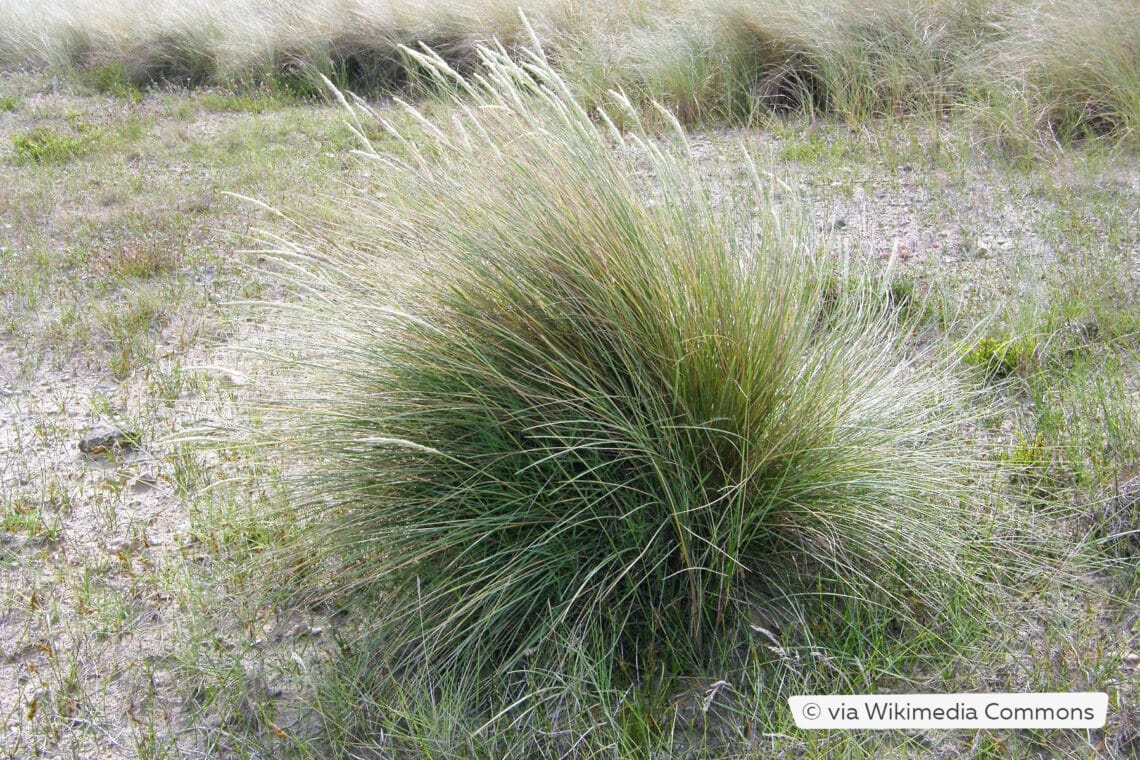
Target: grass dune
x=1063, y=68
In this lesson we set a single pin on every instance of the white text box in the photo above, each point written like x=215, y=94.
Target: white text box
x=885, y=711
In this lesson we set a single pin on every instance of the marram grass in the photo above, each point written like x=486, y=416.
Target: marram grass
x=1028, y=71
x=542, y=387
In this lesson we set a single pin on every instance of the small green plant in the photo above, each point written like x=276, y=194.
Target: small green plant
x=45, y=145
x=29, y=518
x=187, y=471
x=129, y=330
x=1000, y=359
x=1032, y=461
x=166, y=384
x=114, y=79
x=8, y=103
x=1029, y=452
x=905, y=294
x=812, y=148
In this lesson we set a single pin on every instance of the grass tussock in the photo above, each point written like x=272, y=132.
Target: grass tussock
x=1079, y=66
x=1064, y=70
x=569, y=432
x=861, y=61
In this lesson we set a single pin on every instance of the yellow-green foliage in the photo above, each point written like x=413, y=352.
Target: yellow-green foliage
x=1002, y=358
x=44, y=145
x=1029, y=452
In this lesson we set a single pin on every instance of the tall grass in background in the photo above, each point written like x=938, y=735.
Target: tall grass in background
x=250, y=42
x=1077, y=65
x=682, y=60
x=566, y=428
x=860, y=60
x=1066, y=69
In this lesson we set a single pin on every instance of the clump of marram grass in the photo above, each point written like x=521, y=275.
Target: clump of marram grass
x=546, y=392
x=1078, y=65
x=679, y=60
x=857, y=60
x=1019, y=65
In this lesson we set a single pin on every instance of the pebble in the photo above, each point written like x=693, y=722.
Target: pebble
x=105, y=438
x=147, y=481
x=835, y=225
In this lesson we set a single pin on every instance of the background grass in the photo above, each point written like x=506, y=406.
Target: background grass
x=1062, y=70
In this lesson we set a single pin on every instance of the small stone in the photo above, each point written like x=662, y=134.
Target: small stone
x=835, y=225
x=1132, y=659
x=163, y=680
x=144, y=483
x=103, y=439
